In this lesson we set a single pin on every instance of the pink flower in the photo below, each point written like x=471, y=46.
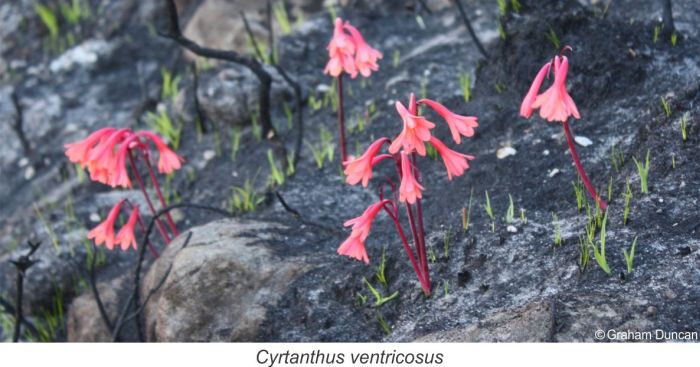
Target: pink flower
x=341, y=49
x=104, y=232
x=168, y=160
x=126, y=238
x=459, y=125
x=365, y=57
x=410, y=189
x=555, y=104
x=362, y=224
x=455, y=162
x=360, y=169
x=78, y=152
x=526, y=106
x=416, y=130
x=355, y=248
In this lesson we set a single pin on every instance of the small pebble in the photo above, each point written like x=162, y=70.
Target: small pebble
x=29, y=173
x=505, y=152
x=512, y=229
x=545, y=152
x=322, y=88
x=23, y=162
x=661, y=200
x=94, y=217
x=209, y=155
x=651, y=311
x=553, y=172
x=583, y=141
x=669, y=294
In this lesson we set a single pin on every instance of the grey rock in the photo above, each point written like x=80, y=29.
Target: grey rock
x=232, y=95
x=84, y=323
x=219, y=286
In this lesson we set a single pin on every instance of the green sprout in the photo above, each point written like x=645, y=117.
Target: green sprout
x=629, y=257
x=169, y=88
x=467, y=212
x=49, y=19
x=465, y=83
x=282, y=18
x=502, y=7
x=666, y=106
x=515, y=4
x=235, y=142
x=74, y=11
x=610, y=189
x=657, y=32
x=599, y=252
x=255, y=127
x=379, y=300
x=383, y=324
x=164, y=126
x=315, y=104
x=522, y=215
x=617, y=157
x=580, y=196
x=446, y=286
x=276, y=175
x=584, y=254
x=510, y=212
x=446, y=243
x=557, y=230
x=430, y=151
x=395, y=58
x=381, y=269
x=684, y=126
x=244, y=199
x=674, y=39
x=628, y=200
x=553, y=38
x=643, y=171
x=489, y=212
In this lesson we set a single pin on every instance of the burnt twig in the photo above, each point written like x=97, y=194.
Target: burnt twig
x=470, y=29
x=23, y=263
x=669, y=27
x=295, y=213
x=96, y=292
x=174, y=33
x=18, y=125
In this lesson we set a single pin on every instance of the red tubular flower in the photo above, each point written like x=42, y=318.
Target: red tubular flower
x=455, y=162
x=354, y=245
x=361, y=225
x=101, y=159
x=410, y=189
x=168, y=160
x=459, y=125
x=526, y=106
x=104, y=232
x=360, y=169
x=341, y=49
x=126, y=238
x=555, y=104
x=78, y=152
x=416, y=130
x=365, y=57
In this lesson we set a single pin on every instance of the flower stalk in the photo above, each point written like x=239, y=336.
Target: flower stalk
x=579, y=168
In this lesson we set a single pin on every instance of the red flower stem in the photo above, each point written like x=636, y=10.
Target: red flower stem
x=404, y=241
x=414, y=232
x=160, y=226
x=419, y=215
x=163, y=204
x=341, y=121
x=586, y=182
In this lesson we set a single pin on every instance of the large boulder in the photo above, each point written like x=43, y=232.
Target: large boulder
x=219, y=285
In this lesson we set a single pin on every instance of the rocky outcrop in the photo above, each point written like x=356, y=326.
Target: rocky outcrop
x=219, y=286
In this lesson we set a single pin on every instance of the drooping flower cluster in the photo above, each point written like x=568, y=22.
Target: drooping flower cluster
x=403, y=150
x=105, y=151
x=103, y=233
x=555, y=104
x=348, y=52
x=104, y=154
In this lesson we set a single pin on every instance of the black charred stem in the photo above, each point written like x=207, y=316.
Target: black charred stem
x=96, y=292
x=467, y=23
x=299, y=105
x=201, y=117
x=174, y=33
x=18, y=126
x=424, y=6
x=22, y=264
x=669, y=27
